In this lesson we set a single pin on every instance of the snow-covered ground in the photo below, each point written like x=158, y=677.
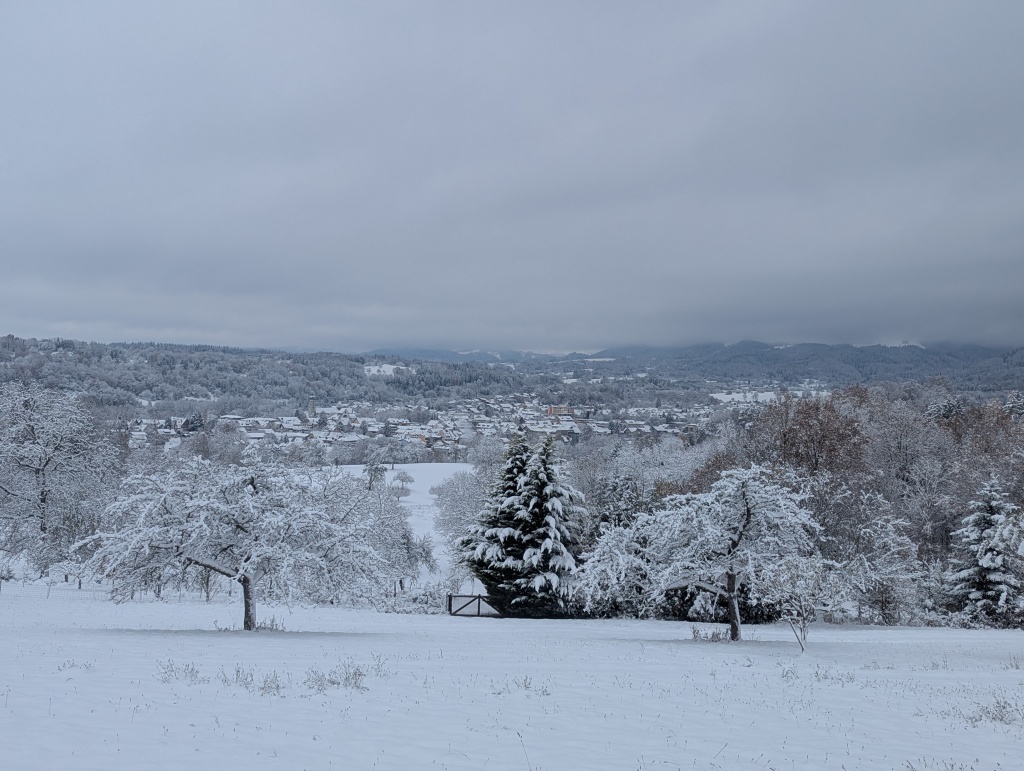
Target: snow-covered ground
x=761, y=396
x=419, y=501
x=746, y=396
x=384, y=369
x=85, y=684
x=89, y=685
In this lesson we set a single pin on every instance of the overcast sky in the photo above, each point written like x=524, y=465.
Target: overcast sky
x=549, y=176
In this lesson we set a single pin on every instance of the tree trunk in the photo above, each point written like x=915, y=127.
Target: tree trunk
x=733, y=600
x=41, y=482
x=249, y=602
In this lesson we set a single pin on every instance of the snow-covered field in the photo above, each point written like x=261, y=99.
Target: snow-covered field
x=85, y=684
x=88, y=685
x=419, y=501
x=746, y=396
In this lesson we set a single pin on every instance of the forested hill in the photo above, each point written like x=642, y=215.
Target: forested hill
x=246, y=381
x=969, y=367
x=240, y=380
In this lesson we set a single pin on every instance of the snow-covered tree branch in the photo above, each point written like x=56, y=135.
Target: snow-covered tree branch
x=319, y=536
x=55, y=473
x=737, y=536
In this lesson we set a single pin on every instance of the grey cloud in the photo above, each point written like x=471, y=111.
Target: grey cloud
x=532, y=176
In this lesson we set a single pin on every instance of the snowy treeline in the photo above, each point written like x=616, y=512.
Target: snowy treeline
x=891, y=505
x=233, y=380
x=873, y=504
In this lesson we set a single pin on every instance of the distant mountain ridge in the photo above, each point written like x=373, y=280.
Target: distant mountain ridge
x=256, y=380
x=969, y=366
x=974, y=367
x=757, y=351
x=441, y=355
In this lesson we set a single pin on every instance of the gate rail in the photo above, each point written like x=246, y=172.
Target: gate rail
x=470, y=605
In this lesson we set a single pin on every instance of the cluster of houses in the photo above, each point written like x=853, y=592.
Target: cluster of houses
x=442, y=430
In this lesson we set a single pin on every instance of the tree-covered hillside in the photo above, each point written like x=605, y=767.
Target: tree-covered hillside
x=172, y=377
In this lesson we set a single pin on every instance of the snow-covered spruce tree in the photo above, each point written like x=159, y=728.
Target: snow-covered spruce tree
x=987, y=575
x=551, y=513
x=1015, y=405
x=315, y=537
x=483, y=548
x=521, y=547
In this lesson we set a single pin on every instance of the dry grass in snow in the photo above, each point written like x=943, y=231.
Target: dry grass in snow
x=88, y=685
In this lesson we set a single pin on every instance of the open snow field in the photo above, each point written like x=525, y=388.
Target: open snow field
x=420, y=503
x=85, y=684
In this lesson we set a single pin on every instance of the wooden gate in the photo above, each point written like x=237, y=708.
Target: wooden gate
x=470, y=605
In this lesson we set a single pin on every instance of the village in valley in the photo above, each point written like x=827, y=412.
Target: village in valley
x=418, y=433
x=442, y=431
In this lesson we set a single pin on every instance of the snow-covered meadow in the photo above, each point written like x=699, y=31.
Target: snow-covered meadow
x=85, y=684
x=420, y=503
x=89, y=685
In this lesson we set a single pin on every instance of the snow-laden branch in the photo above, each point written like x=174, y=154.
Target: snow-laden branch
x=313, y=537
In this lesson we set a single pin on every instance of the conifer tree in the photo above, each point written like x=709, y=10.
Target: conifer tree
x=488, y=550
x=520, y=549
x=549, y=508
x=986, y=578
